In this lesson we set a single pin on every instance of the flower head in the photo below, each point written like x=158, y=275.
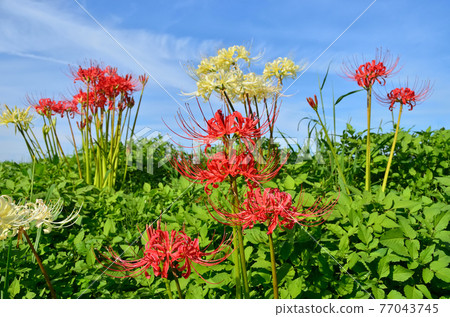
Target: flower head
x=275, y=208
x=406, y=96
x=49, y=107
x=281, y=68
x=165, y=252
x=367, y=73
x=106, y=88
x=222, y=166
x=46, y=214
x=14, y=216
x=16, y=116
x=223, y=127
x=313, y=102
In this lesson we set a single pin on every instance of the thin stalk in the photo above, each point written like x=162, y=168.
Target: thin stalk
x=30, y=150
x=35, y=143
x=41, y=266
x=369, y=102
x=237, y=275
x=333, y=152
x=228, y=102
x=8, y=259
x=274, y=268
x=76, y=150
x=391, y=155
x=177, y=283
x=240, y=241
x=169, y=292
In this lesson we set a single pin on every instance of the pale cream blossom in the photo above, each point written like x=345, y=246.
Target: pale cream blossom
x=16, y=116
x=14, y=216
x=257, y=86
x=46, y=215
x=281, y=68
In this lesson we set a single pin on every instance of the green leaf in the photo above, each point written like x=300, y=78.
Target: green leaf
x=289, y=182
x=147, y=187
x=443, y=236
x=378, y=293
x=325, y=78
x=9, y=184
x=424, y=291
x=401, y=273
x=296, y=286
x=261, y=263
x=412, y=293
x=14, y=288
x=383, y=267
x=427, y=275
x=347, y=94
x=413, y=247
x=364, y=234
x=406, y=228
x=109, y=226
x=395, y=295
x=256, y=236
x=343, y=243
x=426, y=256
x=394, y=240
x=443, y=274
x=444, y=180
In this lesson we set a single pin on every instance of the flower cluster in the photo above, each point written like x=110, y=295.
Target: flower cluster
x=104, y=87
x=377, y=70
x=18, y=117
x=223, y=166
x=274, y=207
x=49, y=107
x=406, y=96
x=223, y=127
x=223, y=74
x=165, y=252
x=14, y=216
x=281, y=68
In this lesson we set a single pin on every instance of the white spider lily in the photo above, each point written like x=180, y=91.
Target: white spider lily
x=12, y=217
x=44, y=214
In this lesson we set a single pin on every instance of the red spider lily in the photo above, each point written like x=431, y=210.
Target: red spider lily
x=106, y=88
x=377, y=70
x=165, y=251
x=406, y=96
x=220, y=166
x=221, y=127
x=275, y=208
x=49, y=107
x=313, y=102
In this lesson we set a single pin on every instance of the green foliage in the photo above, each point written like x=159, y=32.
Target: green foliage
x=383, y=245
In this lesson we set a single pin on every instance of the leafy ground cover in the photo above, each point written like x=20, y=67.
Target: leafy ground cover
x=392, y=244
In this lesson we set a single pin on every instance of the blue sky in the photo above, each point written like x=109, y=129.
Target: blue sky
x=39, y=39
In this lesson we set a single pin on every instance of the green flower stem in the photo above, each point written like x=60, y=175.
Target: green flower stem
x=237, y=271
x=243, y=264
x=30, y=150
x=41, y=266
x=169, y=292
x=369, y=102
x=177, y=283
x=8, y=260
x=240, y=241
x=391, y=155
x=274, y=268
x=75, y=146
x=333, y=152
